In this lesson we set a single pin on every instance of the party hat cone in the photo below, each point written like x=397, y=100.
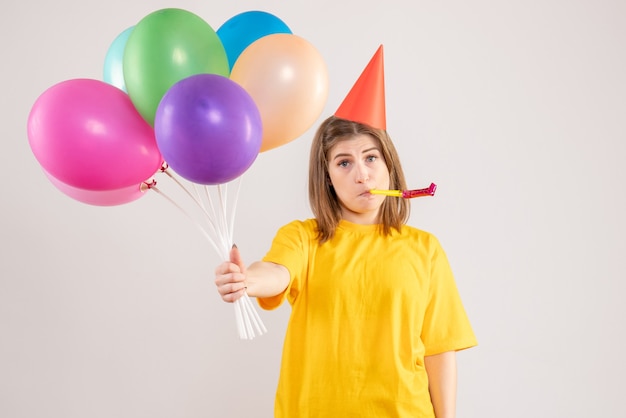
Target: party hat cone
x=365, y=103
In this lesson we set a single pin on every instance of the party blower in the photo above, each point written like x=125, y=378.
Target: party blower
x=408, y=194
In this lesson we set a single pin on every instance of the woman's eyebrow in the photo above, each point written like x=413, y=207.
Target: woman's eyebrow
x=342, y=155
x=346, y=154
x=370, y=150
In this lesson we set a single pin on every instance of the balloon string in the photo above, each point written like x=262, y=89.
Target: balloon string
x=195, y=198
x=224, y=241
x=244, y=312
x=234, y=208
x=223, y=198
x=244, y=307
x=240, y=321
x=199, y=226
x=246, y=316
x=220, y=227
x=220, y=215
x=223, y=252
x=250, y=317
x=258, y=323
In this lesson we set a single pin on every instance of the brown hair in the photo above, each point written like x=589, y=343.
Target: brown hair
x=322, y=198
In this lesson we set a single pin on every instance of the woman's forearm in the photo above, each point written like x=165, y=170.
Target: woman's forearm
x=441, y=370
x=266, y=279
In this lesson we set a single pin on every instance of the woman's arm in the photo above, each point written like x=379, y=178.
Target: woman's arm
x=261, y=279
x=441, y=370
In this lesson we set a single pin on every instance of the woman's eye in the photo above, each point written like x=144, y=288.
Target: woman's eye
x=371, y=158
x=343, y=164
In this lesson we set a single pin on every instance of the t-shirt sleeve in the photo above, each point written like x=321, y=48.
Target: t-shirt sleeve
x=289, y=248
x=446, y=325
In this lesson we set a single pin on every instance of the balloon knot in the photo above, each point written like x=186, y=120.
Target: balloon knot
x=147, y=185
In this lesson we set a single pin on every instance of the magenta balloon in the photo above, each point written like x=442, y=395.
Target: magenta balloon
x=87, y=134
x=99, y=197
x=208, y=129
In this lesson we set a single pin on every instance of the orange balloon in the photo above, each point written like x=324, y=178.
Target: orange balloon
x=288, y=80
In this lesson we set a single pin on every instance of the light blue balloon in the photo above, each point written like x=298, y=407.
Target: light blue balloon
x=243, y=29
x=113, y=68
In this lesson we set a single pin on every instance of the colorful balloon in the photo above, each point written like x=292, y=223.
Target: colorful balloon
x=87, y=134
x=208, y=129
x=100, y=197
x=288, y=79
x=165, y=47
x=113, y=72
x=241, y=30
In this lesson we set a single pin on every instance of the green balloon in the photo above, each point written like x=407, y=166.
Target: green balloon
x=165, y=47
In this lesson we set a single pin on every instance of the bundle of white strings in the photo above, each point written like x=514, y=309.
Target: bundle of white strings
x=218, y=230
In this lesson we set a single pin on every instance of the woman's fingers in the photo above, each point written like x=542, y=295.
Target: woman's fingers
x=230, y=281
x=227, y=267
x=233, y=296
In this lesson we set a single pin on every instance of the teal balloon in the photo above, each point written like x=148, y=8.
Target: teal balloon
x=165, y=47
x=113, y=61
x=243, y=29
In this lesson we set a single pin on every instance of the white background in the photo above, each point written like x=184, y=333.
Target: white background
x=516, y=109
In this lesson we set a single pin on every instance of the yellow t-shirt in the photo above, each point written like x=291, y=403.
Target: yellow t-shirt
x=366, y=309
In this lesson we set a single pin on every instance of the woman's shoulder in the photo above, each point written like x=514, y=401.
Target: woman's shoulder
x=419, y=234
x=297, y=233
x=307, y=226
x=412, y=230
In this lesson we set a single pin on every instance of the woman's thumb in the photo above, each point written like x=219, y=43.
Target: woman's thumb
x=235, y=257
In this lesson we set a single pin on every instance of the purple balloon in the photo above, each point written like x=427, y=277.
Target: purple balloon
x=208, y=129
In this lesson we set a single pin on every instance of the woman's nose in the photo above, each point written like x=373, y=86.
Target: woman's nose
x=362, y=174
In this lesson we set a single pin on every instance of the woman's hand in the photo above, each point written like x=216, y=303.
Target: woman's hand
x=261, y=279
x=230, y=277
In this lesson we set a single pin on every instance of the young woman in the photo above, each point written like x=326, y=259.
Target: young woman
x=376, y=316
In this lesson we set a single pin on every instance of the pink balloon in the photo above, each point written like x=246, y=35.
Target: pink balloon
x=100, y=197
x=87, y=134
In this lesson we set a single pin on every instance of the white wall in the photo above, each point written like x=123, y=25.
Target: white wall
x=515, y=109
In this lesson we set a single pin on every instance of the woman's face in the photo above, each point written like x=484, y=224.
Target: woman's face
x=355, y=166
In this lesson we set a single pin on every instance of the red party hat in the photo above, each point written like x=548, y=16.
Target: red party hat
x=365, y=103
